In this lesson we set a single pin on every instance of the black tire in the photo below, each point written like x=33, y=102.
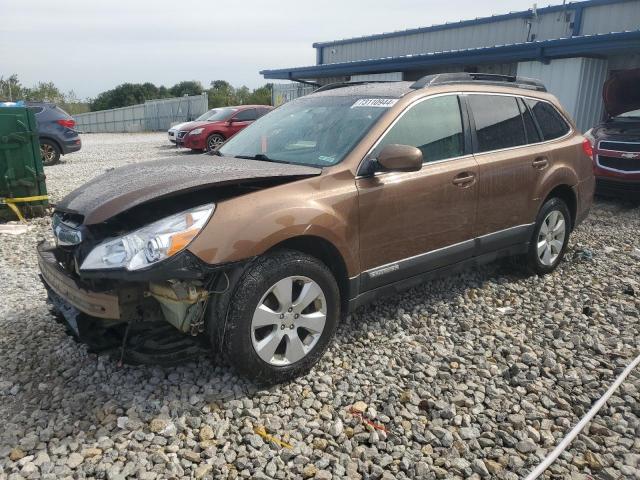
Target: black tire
x=237, y=344
x=533, y=260
x=214, y=141
x=49, y=152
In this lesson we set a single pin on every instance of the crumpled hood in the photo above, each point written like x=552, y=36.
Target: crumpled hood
x=621, y=92
x=120, y=189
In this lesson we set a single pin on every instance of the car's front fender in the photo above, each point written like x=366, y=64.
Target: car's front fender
x=249, y=225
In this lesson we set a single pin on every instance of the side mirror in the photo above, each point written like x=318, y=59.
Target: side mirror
x=400, y=158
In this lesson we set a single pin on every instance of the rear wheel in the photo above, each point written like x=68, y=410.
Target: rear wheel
x=49, y=152
x=214, y=141
x=550, y=237
x=282, y=317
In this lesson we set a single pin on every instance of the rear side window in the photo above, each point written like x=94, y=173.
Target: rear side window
x=36, y=110
x=433, y=125
x=498, y=122
x=551, y=123
x=529, y=125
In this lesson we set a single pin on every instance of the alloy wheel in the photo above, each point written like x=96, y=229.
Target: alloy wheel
x=551, y=237
x=289, y=320
x=214, y=142
x=48, y=153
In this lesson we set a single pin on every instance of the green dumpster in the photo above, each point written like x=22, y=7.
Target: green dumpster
x=23, y=191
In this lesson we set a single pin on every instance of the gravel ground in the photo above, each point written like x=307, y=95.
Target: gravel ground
x=472, y=376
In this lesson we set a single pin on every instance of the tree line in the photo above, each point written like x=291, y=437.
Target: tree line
x=220, y=94
x=11, y=90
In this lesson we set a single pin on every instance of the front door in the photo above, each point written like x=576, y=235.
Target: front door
x=413, y=222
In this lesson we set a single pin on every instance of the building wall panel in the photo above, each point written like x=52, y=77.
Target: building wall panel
x=614, y=17
x=514, y=30
x=577, y=82
x=611, y=18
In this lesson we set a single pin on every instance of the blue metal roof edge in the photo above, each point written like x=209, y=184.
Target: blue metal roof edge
x=588, y=45
x=465, y=23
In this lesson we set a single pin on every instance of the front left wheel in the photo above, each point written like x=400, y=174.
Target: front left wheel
x=281, y=318
x=214, y=142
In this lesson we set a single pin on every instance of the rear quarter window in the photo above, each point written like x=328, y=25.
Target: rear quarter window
x=552, y=124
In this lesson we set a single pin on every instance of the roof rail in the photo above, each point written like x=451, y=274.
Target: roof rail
x=479, y=78
x=333, y=86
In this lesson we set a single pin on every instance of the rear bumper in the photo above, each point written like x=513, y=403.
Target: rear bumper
x=70, y=146
x=66, y=293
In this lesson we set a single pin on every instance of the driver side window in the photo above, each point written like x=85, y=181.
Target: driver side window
x=433, y=125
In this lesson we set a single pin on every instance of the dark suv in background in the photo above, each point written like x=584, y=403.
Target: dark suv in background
x=56, y=132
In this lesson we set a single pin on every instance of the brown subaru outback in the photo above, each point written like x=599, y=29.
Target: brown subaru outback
x=328, y=202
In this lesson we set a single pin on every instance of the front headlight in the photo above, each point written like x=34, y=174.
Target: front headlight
x=196, y=131
x=151, y=244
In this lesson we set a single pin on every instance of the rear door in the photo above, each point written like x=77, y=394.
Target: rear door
x=509, y=169
x=412, y=222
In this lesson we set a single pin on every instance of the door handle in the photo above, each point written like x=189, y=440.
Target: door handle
x=540, y=163
x=464, y=179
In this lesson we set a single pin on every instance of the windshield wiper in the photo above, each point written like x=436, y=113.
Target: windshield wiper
x=259, y=156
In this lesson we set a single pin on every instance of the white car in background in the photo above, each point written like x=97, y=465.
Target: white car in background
x=172, y=133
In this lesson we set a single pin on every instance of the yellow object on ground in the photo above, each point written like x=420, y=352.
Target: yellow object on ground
x=11, y=203
x=270, y=438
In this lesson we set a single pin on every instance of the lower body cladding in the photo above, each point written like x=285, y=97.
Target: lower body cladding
x=157, y=320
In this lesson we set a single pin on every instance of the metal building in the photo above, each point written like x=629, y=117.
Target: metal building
x=572, y=48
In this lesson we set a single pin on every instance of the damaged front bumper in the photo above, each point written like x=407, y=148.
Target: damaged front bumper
x=132, y=297
x=63, y=288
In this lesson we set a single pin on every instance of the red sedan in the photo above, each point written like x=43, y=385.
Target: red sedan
x=223, y=124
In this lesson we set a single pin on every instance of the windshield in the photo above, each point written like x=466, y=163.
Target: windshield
x=216, y=114
x=632, y=114
x=318, y=131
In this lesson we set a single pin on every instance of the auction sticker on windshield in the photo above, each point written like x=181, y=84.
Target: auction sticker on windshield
x=375, y=102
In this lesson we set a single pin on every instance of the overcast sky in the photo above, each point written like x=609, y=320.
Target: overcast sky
x=90, y=46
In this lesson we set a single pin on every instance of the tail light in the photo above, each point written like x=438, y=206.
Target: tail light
x=69, y=123
x=587, y=148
